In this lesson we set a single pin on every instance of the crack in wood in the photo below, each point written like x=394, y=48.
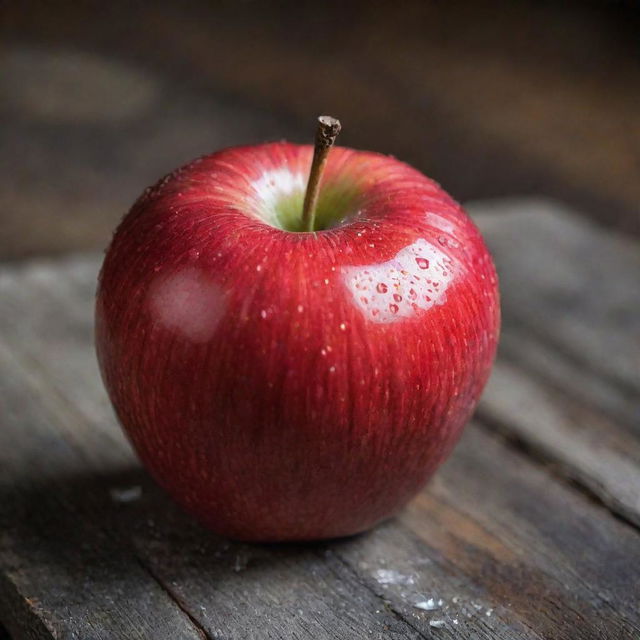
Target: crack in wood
x=329, y=553
x=560, y=470
x=625, y=387
x=198, y=628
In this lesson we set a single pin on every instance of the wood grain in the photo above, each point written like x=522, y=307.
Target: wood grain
x=567, y=384
x=570, y=283
x=90, y=548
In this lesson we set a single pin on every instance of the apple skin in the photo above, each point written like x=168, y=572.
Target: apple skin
x=295, y=386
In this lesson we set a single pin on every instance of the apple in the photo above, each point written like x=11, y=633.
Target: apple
x=294, y=366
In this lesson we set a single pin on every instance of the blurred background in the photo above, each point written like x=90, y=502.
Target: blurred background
x=490, y=98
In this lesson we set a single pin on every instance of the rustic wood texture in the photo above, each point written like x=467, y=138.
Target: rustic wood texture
x=568, y=382
x=507, y=535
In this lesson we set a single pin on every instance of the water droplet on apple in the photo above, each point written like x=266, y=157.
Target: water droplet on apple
x=393, y=308
x=442, y=240
x=382, y=287
x=412, y=294
x=194, y=254
x=364, y=300
x=343, y=326
x=263, y=313
x=397, y=297
x=423, y=263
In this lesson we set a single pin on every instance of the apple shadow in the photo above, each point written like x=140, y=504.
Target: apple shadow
x=84, y=537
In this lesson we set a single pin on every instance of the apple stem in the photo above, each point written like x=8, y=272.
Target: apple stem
x=326, y=134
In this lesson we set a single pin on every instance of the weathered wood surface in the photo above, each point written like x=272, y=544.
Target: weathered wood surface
x=514, y=547
x=568, y=382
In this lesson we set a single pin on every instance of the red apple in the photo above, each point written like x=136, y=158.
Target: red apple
x=287, y=385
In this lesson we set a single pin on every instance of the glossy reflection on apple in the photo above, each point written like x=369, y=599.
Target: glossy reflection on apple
x=293, y=385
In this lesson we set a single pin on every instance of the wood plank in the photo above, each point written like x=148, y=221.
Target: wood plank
x=61, y=573
x=587, y=446
x=558, y=370
x=570, y=283
x=499, y=534
x=539, y=550
x=567, y=282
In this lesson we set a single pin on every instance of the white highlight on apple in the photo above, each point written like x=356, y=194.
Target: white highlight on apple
x=273, y=185
x=439, y=222
x=188, y=302
x=415, y=279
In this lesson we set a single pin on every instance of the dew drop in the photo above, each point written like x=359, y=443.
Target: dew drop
x=381, y=287
x=364, y=300
x=442, y=240
x=194, y=254
x=397, y=297
x=412, y=294
x=423, y=263
x=393, y=308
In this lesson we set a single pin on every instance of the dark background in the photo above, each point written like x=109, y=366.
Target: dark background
x=490, y=98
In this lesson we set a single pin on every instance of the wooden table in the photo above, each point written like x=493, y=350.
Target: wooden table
x=529, y=531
